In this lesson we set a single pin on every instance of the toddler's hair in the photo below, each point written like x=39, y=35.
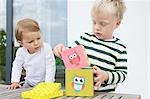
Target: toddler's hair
x=26, y=25
x=115, y=7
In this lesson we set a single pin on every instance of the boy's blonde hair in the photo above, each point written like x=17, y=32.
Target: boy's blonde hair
x=26, y=25
x=115, y=7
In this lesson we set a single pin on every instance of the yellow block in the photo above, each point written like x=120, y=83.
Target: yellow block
x=44, y=90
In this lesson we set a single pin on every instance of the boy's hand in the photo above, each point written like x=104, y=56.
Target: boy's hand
x=101, y=76
x=14, y=85
x=58, y=49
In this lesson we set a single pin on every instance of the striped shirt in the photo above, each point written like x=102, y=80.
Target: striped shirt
x=108, y=55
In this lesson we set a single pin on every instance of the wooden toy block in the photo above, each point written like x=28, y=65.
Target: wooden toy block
x=79, y=82
x=75, y=57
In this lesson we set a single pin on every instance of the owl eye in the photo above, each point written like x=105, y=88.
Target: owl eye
x=76, y=79
x=82, y=80
x=75, y=55
x=70, y=57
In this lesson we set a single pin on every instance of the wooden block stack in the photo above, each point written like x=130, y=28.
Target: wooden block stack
x=78, y=74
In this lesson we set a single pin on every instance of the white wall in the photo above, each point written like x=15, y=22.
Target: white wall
x=133, y=31
x=79, y=20
x=148, y=55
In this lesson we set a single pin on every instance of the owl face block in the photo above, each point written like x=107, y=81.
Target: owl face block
x=75, y=57
x=79, y=82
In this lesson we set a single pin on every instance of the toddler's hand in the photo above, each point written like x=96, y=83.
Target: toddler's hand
x=101, y=76
x=14, y=85
x=58, y=49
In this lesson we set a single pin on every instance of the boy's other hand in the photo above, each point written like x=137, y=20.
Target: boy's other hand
x=101, y=76
x=58, y=49
x=14, y=85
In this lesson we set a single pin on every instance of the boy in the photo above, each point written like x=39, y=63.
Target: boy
x=106, y=53
x=35, y=56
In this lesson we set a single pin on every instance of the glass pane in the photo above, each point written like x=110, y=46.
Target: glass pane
x=2, y=39
x=51, y=15
x=58, y=22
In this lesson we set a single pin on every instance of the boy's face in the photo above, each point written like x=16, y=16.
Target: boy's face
x=104, y=25
x=32, y=41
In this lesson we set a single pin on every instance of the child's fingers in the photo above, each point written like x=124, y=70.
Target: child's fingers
x=97, y=79
x=57, y=51
x=19, y=86
x=98, y=84
x=12, y=87
x=15, y=87
x=62, y=48
x=94, y=71
x=57, y=54
x=8, y=87
x=96, y=68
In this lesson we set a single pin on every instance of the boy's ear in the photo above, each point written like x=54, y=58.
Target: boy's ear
x=118, y=23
